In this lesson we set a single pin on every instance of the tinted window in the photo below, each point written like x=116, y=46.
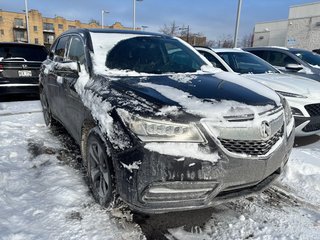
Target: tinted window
x=215, y=62
x=28, y=52
x=260, y=53
x=153, y=55
x=61, y=48
x=309, y=57
x=243, y=62
x=76, y=50
x=280, y=59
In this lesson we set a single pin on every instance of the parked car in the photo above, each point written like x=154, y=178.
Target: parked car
x=290, y=60
x=158, y=124
x=301, y=93
x=19, y=68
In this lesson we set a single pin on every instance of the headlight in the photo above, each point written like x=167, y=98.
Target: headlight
x=287, y=94
x=287, y=111
x=149, y=130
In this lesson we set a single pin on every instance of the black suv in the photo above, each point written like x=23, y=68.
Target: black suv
x=290, y=60
x=19, y=68
x=159, y=125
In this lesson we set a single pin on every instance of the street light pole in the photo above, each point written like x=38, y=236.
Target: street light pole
x=237, y=24
x=27, y=19
x=134, y=13
x=102, y=19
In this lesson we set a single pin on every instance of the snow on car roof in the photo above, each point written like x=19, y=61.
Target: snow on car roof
x=227, y=50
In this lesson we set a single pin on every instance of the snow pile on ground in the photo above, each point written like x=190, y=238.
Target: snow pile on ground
x=302, y=175
x=42, y=197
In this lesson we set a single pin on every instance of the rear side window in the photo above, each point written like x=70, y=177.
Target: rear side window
x=26, y=52
x=61, y=48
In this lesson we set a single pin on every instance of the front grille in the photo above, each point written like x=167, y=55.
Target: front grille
x=313, y=109
x=251, y=147
x=312, y=127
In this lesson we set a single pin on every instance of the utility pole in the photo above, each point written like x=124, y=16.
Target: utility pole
x=134, y=13
x=27, y=19
x=102, y=19
x=237, y=24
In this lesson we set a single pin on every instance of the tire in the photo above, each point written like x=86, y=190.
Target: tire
x=99, y=168
x=47, y=115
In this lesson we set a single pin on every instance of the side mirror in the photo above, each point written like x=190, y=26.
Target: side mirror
x=293, y=67
x=67, y=69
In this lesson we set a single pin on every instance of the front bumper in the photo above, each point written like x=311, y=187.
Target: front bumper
x=306, y=124
x=154, y=182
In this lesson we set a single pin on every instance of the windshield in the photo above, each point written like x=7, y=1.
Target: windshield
x=309, y=57
x=26, y=52
x=243, y=62
x=153, y=54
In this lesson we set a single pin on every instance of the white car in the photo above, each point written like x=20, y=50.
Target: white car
x=303, y=94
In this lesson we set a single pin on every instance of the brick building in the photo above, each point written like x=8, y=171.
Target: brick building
x=301, y=29
x=42, y=30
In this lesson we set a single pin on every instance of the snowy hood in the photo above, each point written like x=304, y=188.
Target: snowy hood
x=202, y=87
x=287, y=83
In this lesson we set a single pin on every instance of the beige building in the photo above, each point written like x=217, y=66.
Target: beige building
x=301, y=29
x=42, y=30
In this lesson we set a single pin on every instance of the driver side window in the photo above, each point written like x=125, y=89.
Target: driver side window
x=76, y=50
x=60, y=51
x=280, y=59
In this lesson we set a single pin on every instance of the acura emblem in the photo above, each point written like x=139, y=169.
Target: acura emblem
x=24, y=66
x=265, y=130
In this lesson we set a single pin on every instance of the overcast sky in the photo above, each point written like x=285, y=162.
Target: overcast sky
x=213, y=18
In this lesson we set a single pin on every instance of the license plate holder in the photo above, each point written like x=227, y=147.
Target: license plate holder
x=24, y=73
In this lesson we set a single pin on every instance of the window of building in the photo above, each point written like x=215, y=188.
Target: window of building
x=60, y=26
x=48, y=38
x=35, y=28
x=48, y=27
x=1, y=19
x=18, y=22
x=71, y=27
x=36, y=41
x=1, y=31
x=19, y=36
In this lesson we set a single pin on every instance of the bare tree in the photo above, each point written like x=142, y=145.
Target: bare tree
x=94, y=21
x=170, y=29
x=247, y=40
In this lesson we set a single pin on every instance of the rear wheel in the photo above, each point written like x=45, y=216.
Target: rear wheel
x=99, y=168
x=48, y=119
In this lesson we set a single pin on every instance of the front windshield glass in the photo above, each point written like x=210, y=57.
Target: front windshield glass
x=153, y=54
x=309, y=57
x=243, y=63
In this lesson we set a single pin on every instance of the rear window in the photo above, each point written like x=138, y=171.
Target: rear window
x=27, y=52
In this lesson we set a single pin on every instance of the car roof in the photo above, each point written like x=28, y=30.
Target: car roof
x=20, y=44
x=100, y=30
x=220, y=50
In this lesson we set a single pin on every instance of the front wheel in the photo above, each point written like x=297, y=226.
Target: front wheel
x=48, y=119
x=99, y=168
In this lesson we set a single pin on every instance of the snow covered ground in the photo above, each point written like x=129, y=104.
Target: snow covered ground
x=43, y=194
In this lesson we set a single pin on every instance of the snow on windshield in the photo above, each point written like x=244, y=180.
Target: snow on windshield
x=143, y=55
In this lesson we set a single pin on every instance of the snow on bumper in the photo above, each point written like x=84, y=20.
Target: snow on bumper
x=156, y=182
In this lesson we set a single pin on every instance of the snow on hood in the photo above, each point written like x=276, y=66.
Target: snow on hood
x=287, y=83
x=213, y=110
